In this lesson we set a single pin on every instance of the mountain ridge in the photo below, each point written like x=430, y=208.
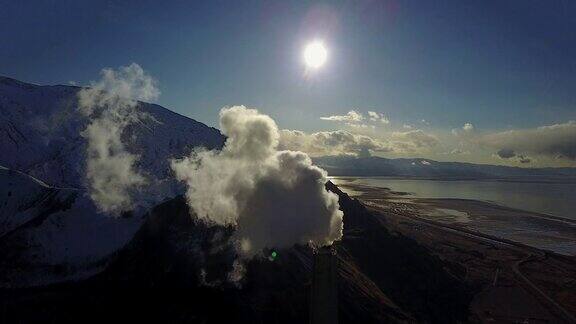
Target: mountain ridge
x=421, y=167
x=42, y=127
x=50, y=229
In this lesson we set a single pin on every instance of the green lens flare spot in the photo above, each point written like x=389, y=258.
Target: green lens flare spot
x=274, y=254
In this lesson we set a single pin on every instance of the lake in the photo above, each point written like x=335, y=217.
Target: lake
x=558, y=199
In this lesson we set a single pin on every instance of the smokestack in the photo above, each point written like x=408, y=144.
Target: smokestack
x=324, y=297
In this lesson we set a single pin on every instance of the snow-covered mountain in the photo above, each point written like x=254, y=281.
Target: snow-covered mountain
x=41, y=125
x=50, y=230
x=50, y=234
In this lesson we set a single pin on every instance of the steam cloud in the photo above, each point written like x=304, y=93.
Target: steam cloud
x=110, y=104
x=275, y=199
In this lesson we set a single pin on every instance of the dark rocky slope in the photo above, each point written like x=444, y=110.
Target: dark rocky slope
x=170, y=270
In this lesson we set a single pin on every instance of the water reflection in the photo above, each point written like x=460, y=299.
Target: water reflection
x=549, y=198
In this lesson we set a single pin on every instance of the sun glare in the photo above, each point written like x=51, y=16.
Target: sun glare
x=315, y=54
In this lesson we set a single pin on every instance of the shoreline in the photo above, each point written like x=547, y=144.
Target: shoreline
x=539, y=230
x=519, y=179
x=515, y=280
x=501, y=267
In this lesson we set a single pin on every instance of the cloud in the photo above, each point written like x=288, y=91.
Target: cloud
x=466, y=129
x=374, y=116
x=361, y=126
x=339, y=142
x=510, y=154
x=412, y=140
x=459, y=151
x=352, y=117
x=378, y=117
x=355, y=119
x=506, y=153
x=111, y=105
x=273, y=199
x=522, y=159
x=342, y=142
x=556, y=141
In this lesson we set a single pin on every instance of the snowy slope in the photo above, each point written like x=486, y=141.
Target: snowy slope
x=51, y=234
x=18, y=193
x=50, y=230
x=40, y=127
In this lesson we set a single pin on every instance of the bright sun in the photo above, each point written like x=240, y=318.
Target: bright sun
x=315, y=54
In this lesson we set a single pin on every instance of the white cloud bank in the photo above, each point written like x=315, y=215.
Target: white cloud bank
x=378, y=117
x=555, y=141
x=413, y=141
x=273, y=198
x=110, y=104
x=508, y=154
x=342, y=142
x=354, y=118
x=467, y=128
x=351, y=117
x=339, y=142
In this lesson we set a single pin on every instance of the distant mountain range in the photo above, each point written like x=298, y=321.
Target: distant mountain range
x=426, y=168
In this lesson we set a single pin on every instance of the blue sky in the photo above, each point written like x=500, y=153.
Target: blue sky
x=499, y=65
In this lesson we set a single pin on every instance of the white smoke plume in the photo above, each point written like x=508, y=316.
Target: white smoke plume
x=111, y=105
x=274, y=199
